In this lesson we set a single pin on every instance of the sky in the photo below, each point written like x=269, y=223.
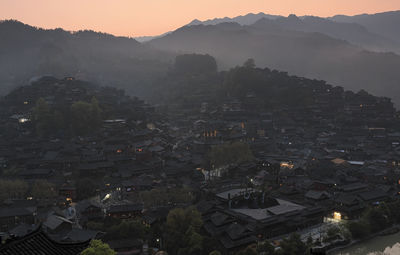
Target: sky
x=153, y=17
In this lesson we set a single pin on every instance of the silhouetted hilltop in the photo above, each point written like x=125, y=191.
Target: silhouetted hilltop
x=350, y=32
x=364, y=30
x=312, y=55
x=27, y=51
x=69, y=106
x=247, y=19
x=306, y=46
x=385, y=23
x=261, y=89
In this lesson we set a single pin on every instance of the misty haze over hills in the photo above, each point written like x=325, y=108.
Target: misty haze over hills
x=307, y=46
x=27, y=52
x=363, y=30
x=353, y=52
x=247, y=19
x=386, y=23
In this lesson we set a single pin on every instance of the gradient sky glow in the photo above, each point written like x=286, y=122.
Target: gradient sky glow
x=153, y=17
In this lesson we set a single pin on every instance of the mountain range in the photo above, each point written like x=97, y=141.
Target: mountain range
x=247, y=19
x=27, y=52
x=356, y=52
x=385, y=23
x=376, y=32
x=345, y=54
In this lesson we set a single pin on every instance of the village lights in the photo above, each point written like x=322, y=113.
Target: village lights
x=337, y=215
x=23, y=120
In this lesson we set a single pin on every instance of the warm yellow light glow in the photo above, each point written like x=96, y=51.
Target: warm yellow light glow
x=23, y=120
x=151, y=126
x=108, y=196
x=287, y=165
x=337, y=215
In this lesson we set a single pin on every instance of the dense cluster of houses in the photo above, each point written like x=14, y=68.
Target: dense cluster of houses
x=330, y=160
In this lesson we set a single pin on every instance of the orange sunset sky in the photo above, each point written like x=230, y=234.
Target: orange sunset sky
x=153, y=17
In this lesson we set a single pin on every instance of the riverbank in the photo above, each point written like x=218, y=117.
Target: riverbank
x=374, y=244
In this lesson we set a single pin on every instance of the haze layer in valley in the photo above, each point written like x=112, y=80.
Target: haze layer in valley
x=358, y=52
x=345, y=54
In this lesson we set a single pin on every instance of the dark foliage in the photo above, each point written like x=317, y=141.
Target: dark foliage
x=192, y=64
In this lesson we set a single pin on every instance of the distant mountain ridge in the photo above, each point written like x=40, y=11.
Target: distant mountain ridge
x=350, y=32
x=307, y=54
x=386, y=23
x=330, y=49
x=27, y=52
x=247, y=19
x=376, y=32
x=143, y=39
x=354, y=29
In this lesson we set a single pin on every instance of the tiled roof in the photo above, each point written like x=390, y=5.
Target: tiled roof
x=38, y=243
x=373, y=194
x=11, y=212
x=125, y=208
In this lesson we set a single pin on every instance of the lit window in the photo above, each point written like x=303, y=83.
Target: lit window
x=337, y=215
x=287, y=165
x=23, y=120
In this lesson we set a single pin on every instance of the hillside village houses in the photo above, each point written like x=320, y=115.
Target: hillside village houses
x=307, y=166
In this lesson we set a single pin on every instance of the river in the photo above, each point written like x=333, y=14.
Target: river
x=380, y=245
